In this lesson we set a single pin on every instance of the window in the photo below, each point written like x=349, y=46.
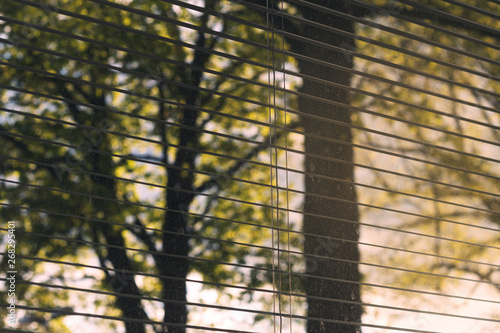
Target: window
x=250, y=166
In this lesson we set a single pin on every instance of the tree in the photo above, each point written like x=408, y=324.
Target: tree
x=325, y=50
x=330, y=203
x=454, y=95
x=104, y=99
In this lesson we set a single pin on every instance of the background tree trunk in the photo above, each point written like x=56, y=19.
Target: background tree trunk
x=179, y=196
x=330, y=275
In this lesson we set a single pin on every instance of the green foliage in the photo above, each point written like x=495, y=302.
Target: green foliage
x=454, y=194
x=83, y=95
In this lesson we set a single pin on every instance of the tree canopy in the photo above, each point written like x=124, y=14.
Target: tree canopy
x=140, y=143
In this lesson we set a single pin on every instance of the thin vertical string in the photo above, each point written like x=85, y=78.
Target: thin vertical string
x=275, y=134
x=283, y=61
x=270, y=57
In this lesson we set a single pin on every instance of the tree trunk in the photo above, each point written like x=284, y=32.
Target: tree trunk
x=124, y=283
x=174, y=269
x=332, y=276
x=120, y=282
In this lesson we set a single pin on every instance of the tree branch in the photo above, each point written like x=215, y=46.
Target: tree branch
x=163, y=131
x=221, y=80
x=19, y=144
x=418, y=222
x=280, y=22
x=482, y=276
x=222, y=101
x=139, y=230
x=421, y=12
x=100, y=256
x=50, y=165
x=207, y=208
x=65, y=93
x=214, y=182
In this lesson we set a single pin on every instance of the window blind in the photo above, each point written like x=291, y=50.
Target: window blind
x=250, y=166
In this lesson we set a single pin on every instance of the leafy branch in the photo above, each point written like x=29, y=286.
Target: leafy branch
x=214, y=182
